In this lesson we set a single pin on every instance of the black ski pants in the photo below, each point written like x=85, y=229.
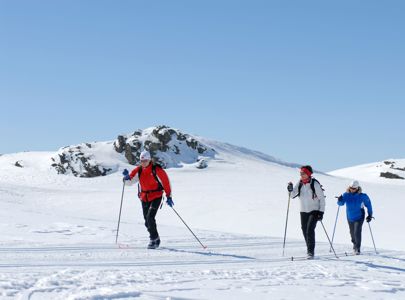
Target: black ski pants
x=355, y=232
x=308, y=224
x=150, y=210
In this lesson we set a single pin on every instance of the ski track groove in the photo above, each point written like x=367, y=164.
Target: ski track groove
x=247, y=266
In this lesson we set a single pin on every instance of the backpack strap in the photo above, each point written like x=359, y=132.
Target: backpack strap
x=160, y=186
x=299, y=190
x=154, y=166
x=313, y=180
x=312, y=185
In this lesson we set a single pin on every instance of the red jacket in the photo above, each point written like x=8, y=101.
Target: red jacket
x=148, y=184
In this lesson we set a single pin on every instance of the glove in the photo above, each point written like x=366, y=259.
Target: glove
x=320, y=215
x=126, y=175
x=340, y=198
x=290, y=187
x=169, y=201
x=369, y=218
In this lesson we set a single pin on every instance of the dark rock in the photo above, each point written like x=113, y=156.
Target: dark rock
x=119, y=144
x=132, y=159
x=202, y=164
x=390, y=175
x=19, y=164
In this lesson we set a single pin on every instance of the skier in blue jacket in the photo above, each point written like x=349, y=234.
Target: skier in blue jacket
x=355, y=201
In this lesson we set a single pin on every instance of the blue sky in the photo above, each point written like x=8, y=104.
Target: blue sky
x=319, y=82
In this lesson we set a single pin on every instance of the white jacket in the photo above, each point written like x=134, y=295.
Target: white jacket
x=308, y=202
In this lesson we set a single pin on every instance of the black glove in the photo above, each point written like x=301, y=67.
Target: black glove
x=320, y=215
x=290, y=187
x=340, y=198
x=369, y=218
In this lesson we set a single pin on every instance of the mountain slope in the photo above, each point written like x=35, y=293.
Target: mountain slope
x=240, y=191
x=390, y=171
x=58, y=233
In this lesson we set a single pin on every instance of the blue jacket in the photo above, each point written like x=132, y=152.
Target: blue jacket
x=355, y=203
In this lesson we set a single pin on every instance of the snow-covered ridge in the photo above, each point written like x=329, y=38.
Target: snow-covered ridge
x=390, y=170
x=169, y=147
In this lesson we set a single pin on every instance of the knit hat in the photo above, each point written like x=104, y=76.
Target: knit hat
x=307, y=170
x=354, y=184
x=145, y=155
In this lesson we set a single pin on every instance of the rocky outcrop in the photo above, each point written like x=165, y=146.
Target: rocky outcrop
x=73, y=160
x=393, y=169
x=390, y=175
x=169, y=147
x=19, y=164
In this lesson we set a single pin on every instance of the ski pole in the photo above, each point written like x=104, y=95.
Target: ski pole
x=119, y=217
x=369, y=226
x=334, y=228
x=188, y=228
x=286, y=221
x=328, y=239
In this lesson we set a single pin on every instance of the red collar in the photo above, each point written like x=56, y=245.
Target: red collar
x=306, y=181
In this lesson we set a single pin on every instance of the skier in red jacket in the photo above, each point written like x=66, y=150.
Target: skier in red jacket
x=153, y=180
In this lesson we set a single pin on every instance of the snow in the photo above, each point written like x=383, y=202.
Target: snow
x=58, y=234
x=371, y=172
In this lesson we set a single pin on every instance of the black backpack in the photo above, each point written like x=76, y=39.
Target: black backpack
x=313, y=180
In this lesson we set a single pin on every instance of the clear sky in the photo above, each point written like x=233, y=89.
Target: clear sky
x=319, y=82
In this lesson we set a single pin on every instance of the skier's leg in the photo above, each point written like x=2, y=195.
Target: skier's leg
x=145, y=209
x=150, y=218
x=312, y=220
x=352, y=233
x=357, y=231
x=304, y=225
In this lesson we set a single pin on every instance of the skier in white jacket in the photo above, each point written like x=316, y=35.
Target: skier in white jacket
x=312, y=201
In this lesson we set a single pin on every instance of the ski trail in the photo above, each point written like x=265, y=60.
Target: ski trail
x=252, y=270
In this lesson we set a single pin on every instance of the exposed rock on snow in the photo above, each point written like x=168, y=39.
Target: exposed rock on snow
x=376, y=172
x=390, y=175
x=19, y=164
x=169, y=147
x=74, y=160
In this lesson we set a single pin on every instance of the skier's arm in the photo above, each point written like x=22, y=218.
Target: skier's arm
x=320, y=195
x=367, y=203
x=294, y=192
x=342, y=200
x=164, y=179
x=134, y=172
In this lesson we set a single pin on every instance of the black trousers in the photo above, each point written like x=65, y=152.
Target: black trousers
x=308, y=225
x=150, y=210
x=355, y=232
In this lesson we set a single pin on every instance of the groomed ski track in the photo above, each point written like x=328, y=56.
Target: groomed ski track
x=247, y=265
